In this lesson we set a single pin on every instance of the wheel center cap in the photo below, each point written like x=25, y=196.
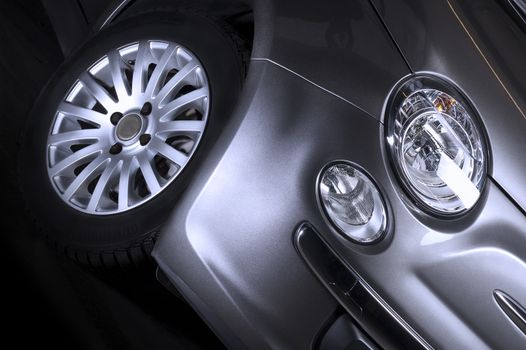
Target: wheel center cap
x=129, y=127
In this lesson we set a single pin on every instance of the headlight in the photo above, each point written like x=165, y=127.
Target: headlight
x=436, y=145
x=352, y=202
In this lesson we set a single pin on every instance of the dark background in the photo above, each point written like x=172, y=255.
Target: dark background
x=47, y=300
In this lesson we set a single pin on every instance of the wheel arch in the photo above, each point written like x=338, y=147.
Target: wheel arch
x=237, y=13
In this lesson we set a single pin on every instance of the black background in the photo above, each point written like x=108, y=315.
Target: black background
x=47, y=300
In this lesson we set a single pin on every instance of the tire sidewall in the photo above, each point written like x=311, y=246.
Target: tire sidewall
x=70, y=227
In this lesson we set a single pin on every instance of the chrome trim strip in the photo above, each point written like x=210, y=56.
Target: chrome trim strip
x=302, y=230
x=515, y=311
x=519, y=7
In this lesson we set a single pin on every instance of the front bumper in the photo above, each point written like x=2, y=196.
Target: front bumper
x=229, y=248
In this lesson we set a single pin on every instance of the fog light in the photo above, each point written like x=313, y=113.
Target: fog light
x=352, y=202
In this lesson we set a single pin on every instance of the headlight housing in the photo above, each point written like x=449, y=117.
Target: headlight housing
x=437, y=145
x=352, y=202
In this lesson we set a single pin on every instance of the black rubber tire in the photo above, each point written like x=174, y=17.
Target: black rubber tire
x=126, y=239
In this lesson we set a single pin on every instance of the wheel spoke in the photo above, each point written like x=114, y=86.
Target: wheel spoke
x=74, y=159
x=117, y=74
x=169, y=152
x=176, y=81
x=101, y=186
x=148, y=174
x=185, y=101
x=161, y=70
x=85, y=175
x=97, y=90
x=84, y=114
x=181, y=125
x=140, y=69
x=72, y=137
x=92, y=162
x=124, y=184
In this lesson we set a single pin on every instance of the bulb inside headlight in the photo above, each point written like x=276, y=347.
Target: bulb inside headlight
x=437, y=147
x=352, y=202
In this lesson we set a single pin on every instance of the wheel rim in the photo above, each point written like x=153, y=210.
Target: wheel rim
x=127, y=127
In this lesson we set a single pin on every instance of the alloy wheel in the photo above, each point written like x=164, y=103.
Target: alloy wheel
x=128, y=126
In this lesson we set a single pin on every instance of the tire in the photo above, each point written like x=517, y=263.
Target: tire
x=123, y=239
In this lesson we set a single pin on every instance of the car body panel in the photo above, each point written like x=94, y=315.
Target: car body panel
x=228, y=247
x=246, y=265
x=233, y=244
x=339, y=45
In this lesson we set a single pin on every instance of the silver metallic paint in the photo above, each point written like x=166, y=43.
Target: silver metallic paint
x=229, y=242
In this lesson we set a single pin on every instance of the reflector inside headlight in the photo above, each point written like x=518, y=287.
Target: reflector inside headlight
x=352, y=202
x=437, y=147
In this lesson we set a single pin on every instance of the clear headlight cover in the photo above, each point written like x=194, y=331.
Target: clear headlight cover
x=436, y=146
x=352, y=202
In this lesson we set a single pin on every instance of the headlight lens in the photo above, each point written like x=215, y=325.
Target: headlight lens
x=352, y=202
x=437, y=146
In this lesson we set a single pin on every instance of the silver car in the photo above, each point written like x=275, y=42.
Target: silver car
x=305, y=174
